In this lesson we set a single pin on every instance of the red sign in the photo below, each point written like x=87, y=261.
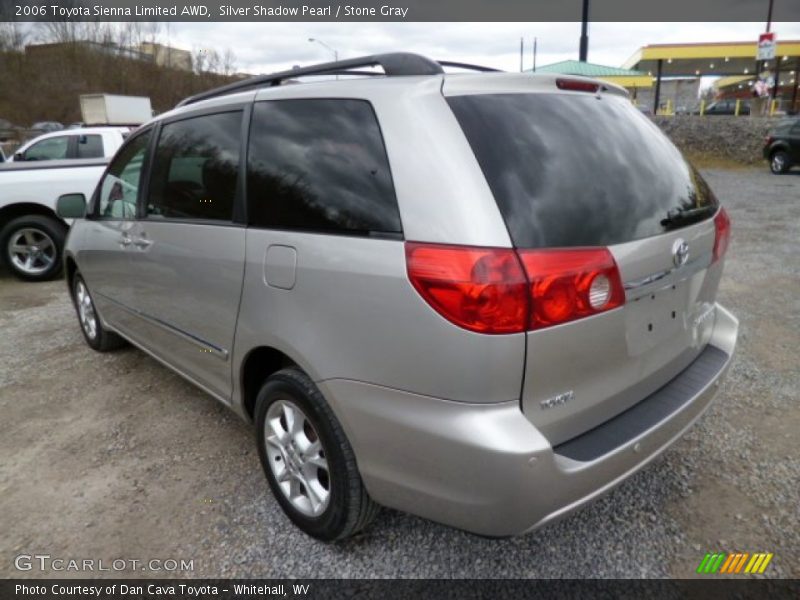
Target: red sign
x=766, y=46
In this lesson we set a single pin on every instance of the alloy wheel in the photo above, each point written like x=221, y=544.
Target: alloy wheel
x=32, y=251
x=86, y=310
x=297, y=458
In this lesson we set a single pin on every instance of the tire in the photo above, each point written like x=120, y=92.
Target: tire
x=33, y=247
x=347, y=508
x=97, y=336
x=779, y=162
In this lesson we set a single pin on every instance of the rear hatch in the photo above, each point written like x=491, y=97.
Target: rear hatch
x=585, y=169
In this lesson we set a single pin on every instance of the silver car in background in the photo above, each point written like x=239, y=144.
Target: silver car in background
x=482, y=298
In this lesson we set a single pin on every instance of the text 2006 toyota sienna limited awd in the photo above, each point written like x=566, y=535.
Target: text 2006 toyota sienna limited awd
x=482, y=298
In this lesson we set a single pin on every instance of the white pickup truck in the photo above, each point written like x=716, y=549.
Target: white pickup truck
x=85, y=142
x=31, y=235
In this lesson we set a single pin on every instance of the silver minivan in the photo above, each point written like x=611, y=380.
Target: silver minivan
x=482, y=298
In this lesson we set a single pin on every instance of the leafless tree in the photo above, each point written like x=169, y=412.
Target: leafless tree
x=228, y=63
x=13, y=36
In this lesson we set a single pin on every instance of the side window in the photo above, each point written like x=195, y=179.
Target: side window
x=319, y=165
x=195, y=168
x=90, y=146
x=120, y=186
x=50, y=149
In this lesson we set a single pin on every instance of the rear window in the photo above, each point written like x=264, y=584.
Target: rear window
x=578, y=170
x=90, y=146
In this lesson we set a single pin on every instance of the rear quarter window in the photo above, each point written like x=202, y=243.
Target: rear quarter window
x=319, y=165
x=578, y=169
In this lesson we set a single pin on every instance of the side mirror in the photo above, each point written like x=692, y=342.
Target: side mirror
x=71, y=206
x=19, y=156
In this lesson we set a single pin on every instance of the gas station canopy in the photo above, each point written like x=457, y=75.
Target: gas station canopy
x=718, y=59
x=715, y=59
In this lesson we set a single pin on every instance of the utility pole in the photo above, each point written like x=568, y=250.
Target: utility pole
x=521, y=50
x=769, y=15
x=777, y=75
x=584, y=46
x=534, y=54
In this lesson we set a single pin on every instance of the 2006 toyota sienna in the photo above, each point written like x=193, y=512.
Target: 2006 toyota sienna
x=482, y=298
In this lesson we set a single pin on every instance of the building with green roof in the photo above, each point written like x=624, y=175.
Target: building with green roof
x=627, y=78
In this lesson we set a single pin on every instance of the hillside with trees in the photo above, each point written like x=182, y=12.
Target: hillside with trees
x=64, y=60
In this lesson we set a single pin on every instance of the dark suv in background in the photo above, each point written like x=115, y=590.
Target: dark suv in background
x=782, y=146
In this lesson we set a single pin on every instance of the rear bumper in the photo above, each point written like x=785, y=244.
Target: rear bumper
x=487, y=469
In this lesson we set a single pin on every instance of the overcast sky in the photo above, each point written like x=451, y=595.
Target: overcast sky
x=266, y=47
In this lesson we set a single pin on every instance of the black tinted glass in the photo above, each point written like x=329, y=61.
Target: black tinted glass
x=90, y=146
x=119, y=189
x=195, y=168
x=575, y=170
x=319, y=165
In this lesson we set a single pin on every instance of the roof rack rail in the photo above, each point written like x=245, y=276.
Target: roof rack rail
x=460, y=65
x=393, y=64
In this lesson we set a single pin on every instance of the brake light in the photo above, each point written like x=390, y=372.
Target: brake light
x=499, y=290
x=571, y=283
x=768, y=140
x=479, y=289
x=576, y=85
x=722, y=227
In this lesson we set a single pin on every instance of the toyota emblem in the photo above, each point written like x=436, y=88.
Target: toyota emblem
x=680, y=252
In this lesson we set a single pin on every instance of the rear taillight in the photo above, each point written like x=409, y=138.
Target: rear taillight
x=577, y=85
x=768, y=140
x=571, y=283
x=499, y=290
x=480, y=289
x=722, y=227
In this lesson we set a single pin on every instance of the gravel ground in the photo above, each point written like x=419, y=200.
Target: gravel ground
x=109, y=456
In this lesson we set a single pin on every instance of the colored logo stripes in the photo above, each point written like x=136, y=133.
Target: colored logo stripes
x=737, y=562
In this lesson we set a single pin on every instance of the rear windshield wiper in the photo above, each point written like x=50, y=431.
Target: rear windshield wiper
x=678, y=217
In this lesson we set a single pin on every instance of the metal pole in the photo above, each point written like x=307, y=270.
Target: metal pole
x=777, y=59
x=584, y=46
x=777, y=75
x=534, y=54
x=330, y=48
x=521, y=49
x=769, y=26
x=769, y=15
x=796, y=81
x=777, y=66
x=657, y=95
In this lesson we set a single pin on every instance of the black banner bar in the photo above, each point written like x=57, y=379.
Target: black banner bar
x=393, y=10
x=391, y=589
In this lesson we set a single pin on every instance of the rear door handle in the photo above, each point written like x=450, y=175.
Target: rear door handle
x=142, y=243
